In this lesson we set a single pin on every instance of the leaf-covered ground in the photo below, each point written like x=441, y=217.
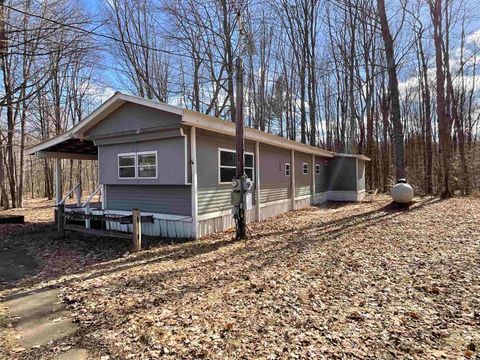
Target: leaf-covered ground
x=341, y=281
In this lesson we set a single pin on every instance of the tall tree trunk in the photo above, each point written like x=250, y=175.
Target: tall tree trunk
x=393, y=90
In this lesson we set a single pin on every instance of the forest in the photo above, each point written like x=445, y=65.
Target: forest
x=396, y=81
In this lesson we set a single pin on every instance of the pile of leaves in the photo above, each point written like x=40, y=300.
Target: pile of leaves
x=344, y=280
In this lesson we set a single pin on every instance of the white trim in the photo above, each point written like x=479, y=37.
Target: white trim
x=186, y=158
x=292, y=178
x=276, y=202
x=210, y=123
x=134, y=166
x=355, y=156
x=232, y=167
x=313, y=176
x=257, y=179
x=194, y=181
x=356, y=173
x=303, y=197
x=156, y=164
x=155, y=215
x=289, y=169
x=303, y=168
x=215, y=214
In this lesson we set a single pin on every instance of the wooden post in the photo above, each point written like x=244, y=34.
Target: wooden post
x=137, y=230
x=58, y=181
x=240, y=147
x=79, y=195
x=87, y=219
x=60, y=217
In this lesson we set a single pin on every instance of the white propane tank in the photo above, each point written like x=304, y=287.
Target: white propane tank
x=402, y=192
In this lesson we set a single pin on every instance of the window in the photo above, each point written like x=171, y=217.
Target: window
x=137, y=165
x=126, y=166
x=317, y=169
x=147, y=165
x=305, y=168
x=228, y=165
x=287, y=169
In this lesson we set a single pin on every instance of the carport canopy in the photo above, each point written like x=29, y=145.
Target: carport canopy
x=65, y=147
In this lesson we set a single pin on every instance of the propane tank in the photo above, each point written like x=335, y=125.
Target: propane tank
x=402, y=192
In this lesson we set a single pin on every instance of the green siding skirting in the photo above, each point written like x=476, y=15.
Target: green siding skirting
x=274, y=194
x=302, y=190
x=213, y=200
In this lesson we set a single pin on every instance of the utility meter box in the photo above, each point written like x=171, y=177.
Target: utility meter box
x=247, y=201
x=236, y=196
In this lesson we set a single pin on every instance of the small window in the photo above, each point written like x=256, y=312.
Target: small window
x=287, y=169
x=317, y=169
x=126, y=166
x=147, y=165
x=305, y=168
x=228, y=165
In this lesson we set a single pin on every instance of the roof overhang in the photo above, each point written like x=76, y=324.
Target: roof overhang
x=59, y=145
x=50, y=147
x=201, y=121
x=355, y=156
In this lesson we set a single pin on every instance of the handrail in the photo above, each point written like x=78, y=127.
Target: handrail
x=92, y=195
x=76, y=187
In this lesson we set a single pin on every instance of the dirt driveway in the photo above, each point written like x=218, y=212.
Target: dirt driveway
x=341, y=281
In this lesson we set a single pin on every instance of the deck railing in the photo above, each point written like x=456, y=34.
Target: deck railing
x=78, y=194
x=86, y=204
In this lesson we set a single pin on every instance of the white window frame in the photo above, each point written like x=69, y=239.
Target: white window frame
x=303, y=168
x=317, y=169
x=137, y=164
x=233, y=167
x=289, y=169
x=134, y=165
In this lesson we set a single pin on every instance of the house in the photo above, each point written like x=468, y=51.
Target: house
x=177, y=165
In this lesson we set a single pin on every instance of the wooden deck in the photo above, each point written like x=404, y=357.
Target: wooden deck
x=96, y=232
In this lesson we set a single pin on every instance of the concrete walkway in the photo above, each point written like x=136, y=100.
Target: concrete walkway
x=39, y=318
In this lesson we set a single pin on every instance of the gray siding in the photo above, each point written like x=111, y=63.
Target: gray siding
x=212, y=196
x=302, y=182
x=342, y=174
x=274, y=185
x=361, y=175
x=214, y=199
x=207, y=156
x=321, y=180
x=171, y=162
x=132, y=117
x=175, y=200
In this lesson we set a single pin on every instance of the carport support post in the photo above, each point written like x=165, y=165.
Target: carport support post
x=137, y=230
x=58, y=181
x=60, y=217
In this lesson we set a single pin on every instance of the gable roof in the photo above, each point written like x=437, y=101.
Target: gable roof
x=189, y=118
